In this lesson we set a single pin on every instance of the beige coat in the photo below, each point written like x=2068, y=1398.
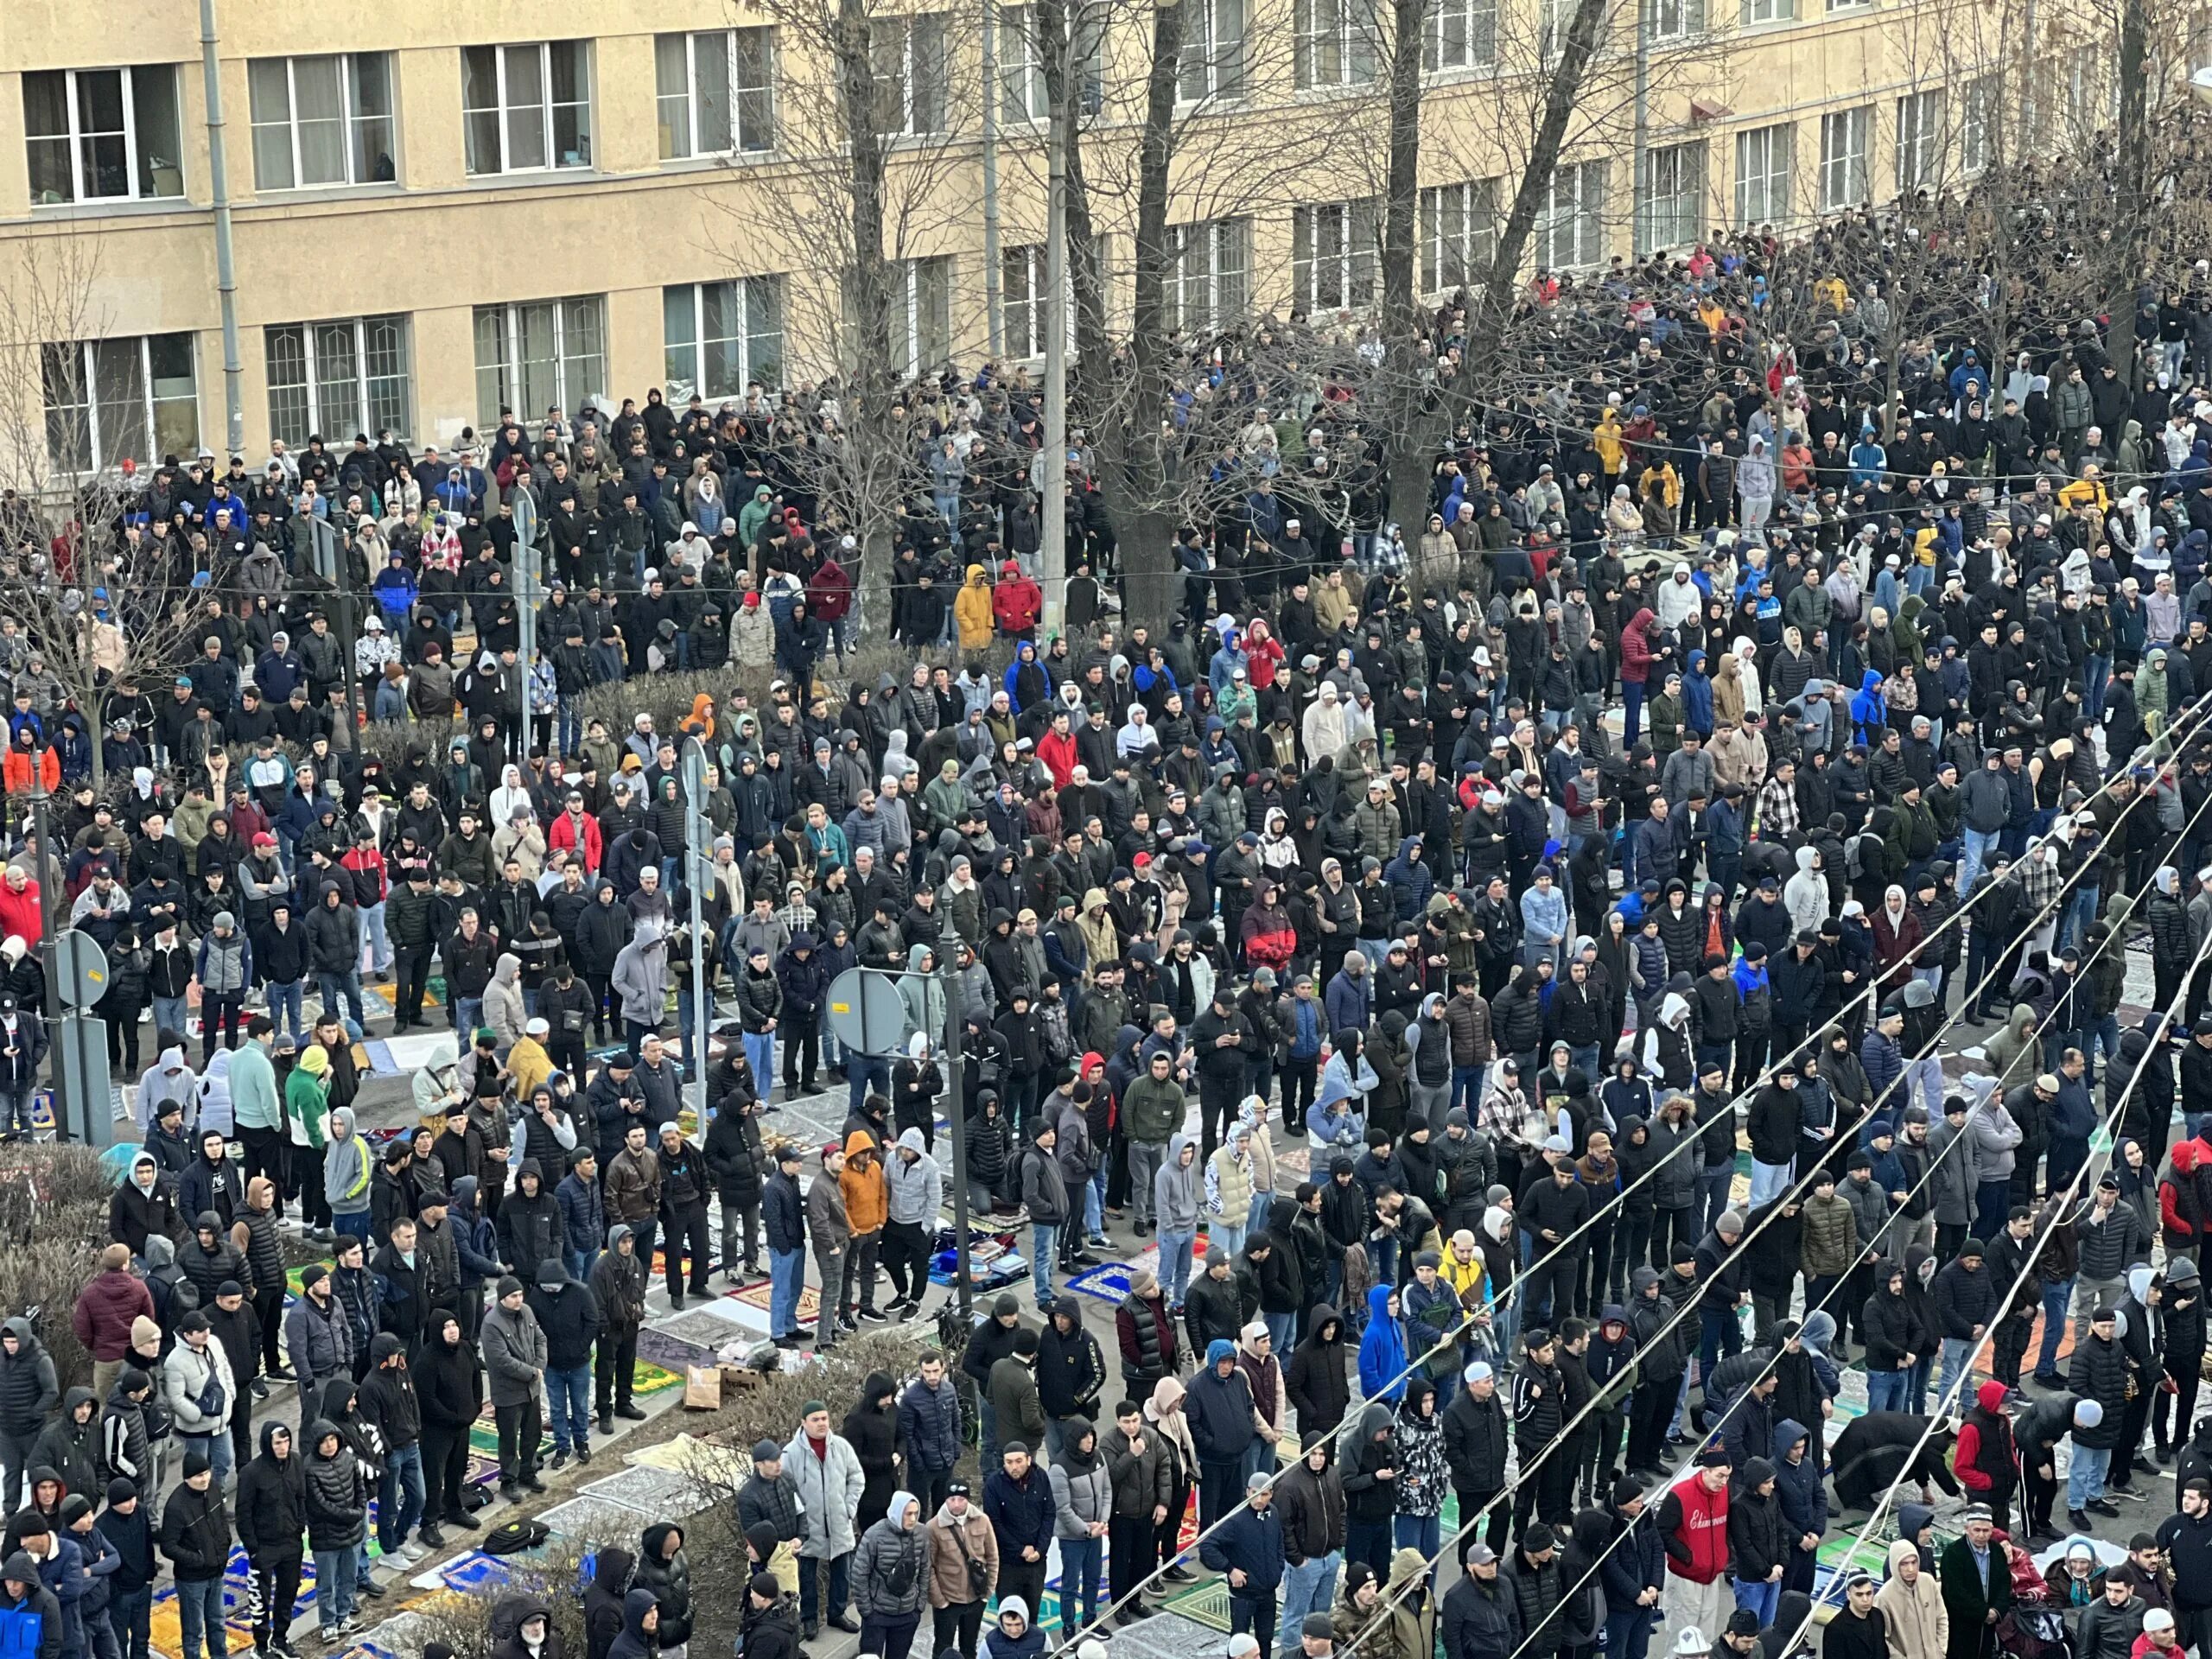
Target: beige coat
x=1919, y=1628
x=949, y=1581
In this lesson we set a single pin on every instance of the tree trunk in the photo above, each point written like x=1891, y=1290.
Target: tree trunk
x=868, y=373
x=2132, y=179
x=1148, y=585
x=1407, y=424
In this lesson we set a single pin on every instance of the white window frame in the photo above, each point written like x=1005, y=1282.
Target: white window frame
x=1919, y=139
x=509, y=114
x=750, y=295
x=578, y=325
x=1676, y=20
x=1846, y=157
x=1834, y=6
x=922, y=312
x=1220, y=289
x=1583, y=221
x=1459, y=35
x=918, y=118
x=357, y=145
x=86, y=419
x=1675, y=216
x=1981, y=114
x=1333, y=44
x=1021, y=299
x=1023, y=95
x=1556, y=17
x=1336, y=255
x=1458, y=234
x=134, y=141
x=1765, y=159
x=751, y=109
x=1213, y=57
x=1764, y=14
x=327, y=413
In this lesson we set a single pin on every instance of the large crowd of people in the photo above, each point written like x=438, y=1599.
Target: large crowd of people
x=1405, y=940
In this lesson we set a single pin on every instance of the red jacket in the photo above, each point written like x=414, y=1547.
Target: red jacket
x=1697, y=1548
x=829, y=592
x=366, y=861
x=1058, y=751
x=562, y=838
x=2176, y=1208
x=105, y=1308
x=1635, y=649
x=1976, y=1463
x=19, y=913
x=1016, y=602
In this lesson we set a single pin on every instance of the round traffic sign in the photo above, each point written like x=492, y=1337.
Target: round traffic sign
x=81, y=969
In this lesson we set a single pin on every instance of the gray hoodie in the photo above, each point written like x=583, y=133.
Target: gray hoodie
x=503, y=1005
x=346, y=1168
x=1177, y=1186
x=917, y=1189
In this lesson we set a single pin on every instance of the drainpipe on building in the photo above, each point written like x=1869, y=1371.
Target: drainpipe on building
x=993, y=301
x=227, y=281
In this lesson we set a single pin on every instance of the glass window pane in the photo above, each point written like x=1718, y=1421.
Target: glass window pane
x=535, y=332
x=391, y=398
x=319, y=107
x=571, y=97
x=119, y=400
x=479, y=101
x=46, y=124
x=583, y=349
x=525, y=108
x=490, y=329
x=672, y=94
x=102, y=156
x=756, y=81
x=269, y=93
x=372, y=117
x=710, y=65
x=679, y=328
x=930, y=71
x=286, y=350
x=68, y=408
x=764, y=318
x=337, y=381
x=160, y=171
x=176, y=395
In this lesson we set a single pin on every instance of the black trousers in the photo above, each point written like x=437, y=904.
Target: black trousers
x=680, y=1230
x=266, y=1153
x=799, y=1035
x=522, y=1430
x=272, y=1598
x=958, y=1625
x=905, y=1252
x=445, y=1472
x=1023, y=1578
x=1546, y=1497
x=1255, y=1613
x=1165, y=1536
x=414, y=977
x=268, y=1305
x=2037, y=1497
x=1650, y=1410
x=614, y=1369
x=1130, y=1554
x=1495, y=1524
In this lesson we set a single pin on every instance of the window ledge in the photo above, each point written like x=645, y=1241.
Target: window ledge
x=715, y=161
x=1466, y=74
x=535, y=177
x=309, y=195
x=116, y=208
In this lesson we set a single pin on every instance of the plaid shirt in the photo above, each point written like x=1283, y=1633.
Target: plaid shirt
x=1777, y=810
x=2040, y=879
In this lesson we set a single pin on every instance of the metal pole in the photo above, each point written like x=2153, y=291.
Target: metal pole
x=52, y=1006
x=339, y=543
x=523, y=506
x=963, y=1287
x=695, y=1040
x=1054, y=312
x=1640, y=216
x=226, y=281
x=992, y=300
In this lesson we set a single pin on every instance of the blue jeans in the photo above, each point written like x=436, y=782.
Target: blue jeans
x=170, y=1014
x=1980, y=845
x=1422, y=1532
x=579, y=1263
x=1628, y=1632
x=760, y=1052
x=1466, y=1094
x=2081, y=911
x=1079, y=1561
x=1887, y=1390
x=1281, y=1328
x=1712, y=1190
x=1231, y=1239
x=467, y=1013
x=1175, y=1250
x=373, y=934
x=864, y=1074
x=568, y=1408
x=1958, y=1359
x=787, y=1278
x=1043, y=1250
x=809, y=1586
x=335, y=1573
x=287, y=1009
x=1308, y=1587
x=399, y=1497
x=1762, y=1598
x=2057, y=1298
x=1094, y=1205
x=200, y=1609
x=2085, y=1478
x=346, y=985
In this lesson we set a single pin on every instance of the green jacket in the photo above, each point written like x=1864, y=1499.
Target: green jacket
x=1152, y=1110
x=254, y=1100
x=307, y=1098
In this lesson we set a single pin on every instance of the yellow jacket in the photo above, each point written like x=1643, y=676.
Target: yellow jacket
x=530, y=1065
x=1463, y=1276
x=1605, y=437
x=1663, y=483
x=971, y=609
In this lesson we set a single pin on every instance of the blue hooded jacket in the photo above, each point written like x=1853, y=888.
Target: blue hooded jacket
x=1382, y=1349
x=1870, y=712
x=1411, y=877
x=1697, y=696
x=1797, y=1486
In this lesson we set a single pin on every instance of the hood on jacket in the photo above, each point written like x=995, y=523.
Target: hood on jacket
x=1787, y=1433
x=635, y=1606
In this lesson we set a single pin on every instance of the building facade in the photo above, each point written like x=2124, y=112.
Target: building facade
x=438, y=212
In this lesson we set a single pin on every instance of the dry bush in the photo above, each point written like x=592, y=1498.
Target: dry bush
x=556, y=1574
x=54, y=1204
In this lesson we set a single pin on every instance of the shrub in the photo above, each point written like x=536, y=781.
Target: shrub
x=54, y=1204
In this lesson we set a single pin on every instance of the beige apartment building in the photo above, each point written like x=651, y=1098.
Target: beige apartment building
x=437, y=210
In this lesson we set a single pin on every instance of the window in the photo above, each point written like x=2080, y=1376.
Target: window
x=1755, y=12
x=1762, y=158
x=1022, y=94
x=1460, y=35
x=1845, y=137
x=1979, y=111
x=109, y=401
x=1571, y=230
x=1555, y=18
x=1458, y=234
x=344, y=376
x=1849, y=5
x=908, y=57
x=1332, y=254
x=1676, y=20
x=1335, y=44
x=921, y=313
x=1920, y=139
x=525, y=108
x=1674, y=195
x=103, y=134
x=2085, y=84
x=1209, y=270
x=322, y=121
x=1212, y=63
x=531, y=356
x=721, y=337
x=716, y=92
x=1023, y=316
x=2199, y=44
